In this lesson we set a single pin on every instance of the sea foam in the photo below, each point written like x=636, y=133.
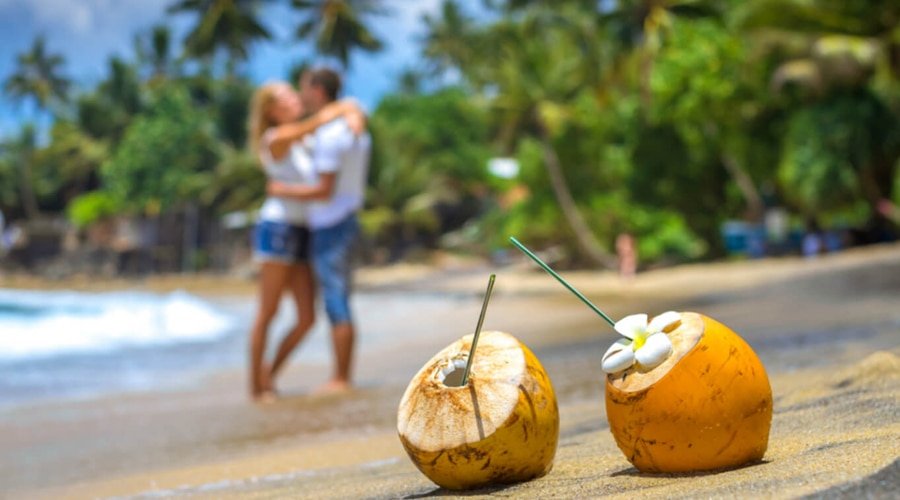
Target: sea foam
x=39, y=324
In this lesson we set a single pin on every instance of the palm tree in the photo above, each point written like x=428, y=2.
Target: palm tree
x=106, y=112
x=228, y=25
x=21, y=150
x=36, y=78
x=122, y=87
x=536, y=73
x=540, y=59
x=154, y=52
x=448, y=38
x=10, y=193
x=338, y=26
x=640, y=27
x=410, y=82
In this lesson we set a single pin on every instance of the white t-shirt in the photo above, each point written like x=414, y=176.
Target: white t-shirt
x=294, y=168
x=338, y=150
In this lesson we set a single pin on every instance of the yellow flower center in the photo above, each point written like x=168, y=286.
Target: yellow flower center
x=639, y=341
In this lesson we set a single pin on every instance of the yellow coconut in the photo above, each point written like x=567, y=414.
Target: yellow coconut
x=501, y=427
x=707, y=406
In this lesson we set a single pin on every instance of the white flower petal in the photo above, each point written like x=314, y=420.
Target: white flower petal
x=630, y=326
x=657, y=348
x=618, y=357
x=663, y=321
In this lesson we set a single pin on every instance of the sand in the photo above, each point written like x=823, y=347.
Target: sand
x=827, y=330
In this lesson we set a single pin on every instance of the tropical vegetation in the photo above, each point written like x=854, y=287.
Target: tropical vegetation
x=663, y=119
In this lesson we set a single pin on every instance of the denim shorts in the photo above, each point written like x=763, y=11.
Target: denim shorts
x=332, y=252
x=280, y=242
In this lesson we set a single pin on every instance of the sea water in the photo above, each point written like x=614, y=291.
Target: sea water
x=65, y=344
x=36, y=325
x=71, y=344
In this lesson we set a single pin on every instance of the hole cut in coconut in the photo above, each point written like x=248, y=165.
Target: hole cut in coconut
x=451, y=374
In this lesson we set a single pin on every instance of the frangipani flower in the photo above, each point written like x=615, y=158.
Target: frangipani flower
x=646, y=344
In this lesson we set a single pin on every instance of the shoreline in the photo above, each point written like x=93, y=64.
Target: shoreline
x=467, y=275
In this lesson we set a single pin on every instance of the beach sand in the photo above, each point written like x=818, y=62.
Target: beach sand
x=828, y=331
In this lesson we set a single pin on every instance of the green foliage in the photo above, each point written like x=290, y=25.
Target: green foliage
x=68, y=165
x=153, y=51
x=9, y=182
x=447, y=43
x=222, y=25
x=18, y=154
x=429, y=149
x=443, y=132
x=830, y=145
x=895, y=190
x=232, y=102
x=236, y=184
x=107, y=111
x=122, y=87
x=696, y=78
x=91, y=207
x=377, y=221
x=661, y=234
x=166, y=156
x=37, y=76
x=338, y=26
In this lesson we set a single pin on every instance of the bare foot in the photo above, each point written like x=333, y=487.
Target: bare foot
x=265, y=398
x=267, y=382
x=333, y=386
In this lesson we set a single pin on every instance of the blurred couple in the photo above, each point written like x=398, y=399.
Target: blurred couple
x=314, y=150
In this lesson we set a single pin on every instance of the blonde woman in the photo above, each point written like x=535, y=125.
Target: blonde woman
x=281, y=236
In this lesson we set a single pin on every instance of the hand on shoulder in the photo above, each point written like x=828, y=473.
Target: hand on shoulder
x=353, y=114
x=356, y=122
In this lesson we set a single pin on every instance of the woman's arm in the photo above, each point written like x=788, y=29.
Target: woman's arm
x=279, y=139
x=320, y=191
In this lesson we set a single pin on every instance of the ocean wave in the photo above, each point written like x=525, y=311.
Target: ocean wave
x=37, y=324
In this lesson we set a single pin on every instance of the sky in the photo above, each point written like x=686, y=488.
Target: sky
x=88, y=32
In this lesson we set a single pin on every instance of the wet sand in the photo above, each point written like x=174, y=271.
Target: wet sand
x=827, y=330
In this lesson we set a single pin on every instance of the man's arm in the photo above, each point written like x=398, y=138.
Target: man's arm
x=280, y=138
x=328, y=156
x=320, y=191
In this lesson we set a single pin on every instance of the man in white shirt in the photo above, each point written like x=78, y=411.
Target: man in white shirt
x=341, y=161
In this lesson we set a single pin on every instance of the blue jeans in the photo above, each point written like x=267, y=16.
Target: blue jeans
x=280, y=242
x=331, y=255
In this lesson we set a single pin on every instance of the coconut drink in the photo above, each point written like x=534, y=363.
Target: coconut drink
x=471, y=418
x=684, y=392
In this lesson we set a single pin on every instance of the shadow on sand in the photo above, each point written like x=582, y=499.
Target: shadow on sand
x=444, y=492
x=633, y=472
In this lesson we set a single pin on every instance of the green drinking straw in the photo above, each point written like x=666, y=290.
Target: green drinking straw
x=559, y=278
x=487, y=298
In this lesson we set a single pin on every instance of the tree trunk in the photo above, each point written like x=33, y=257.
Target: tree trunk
x=29, y=200
x=583, y=235
x=878, y=194
x=189, y=241
x=742, y=180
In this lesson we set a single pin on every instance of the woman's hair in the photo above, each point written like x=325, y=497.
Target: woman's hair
x=258, y=121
